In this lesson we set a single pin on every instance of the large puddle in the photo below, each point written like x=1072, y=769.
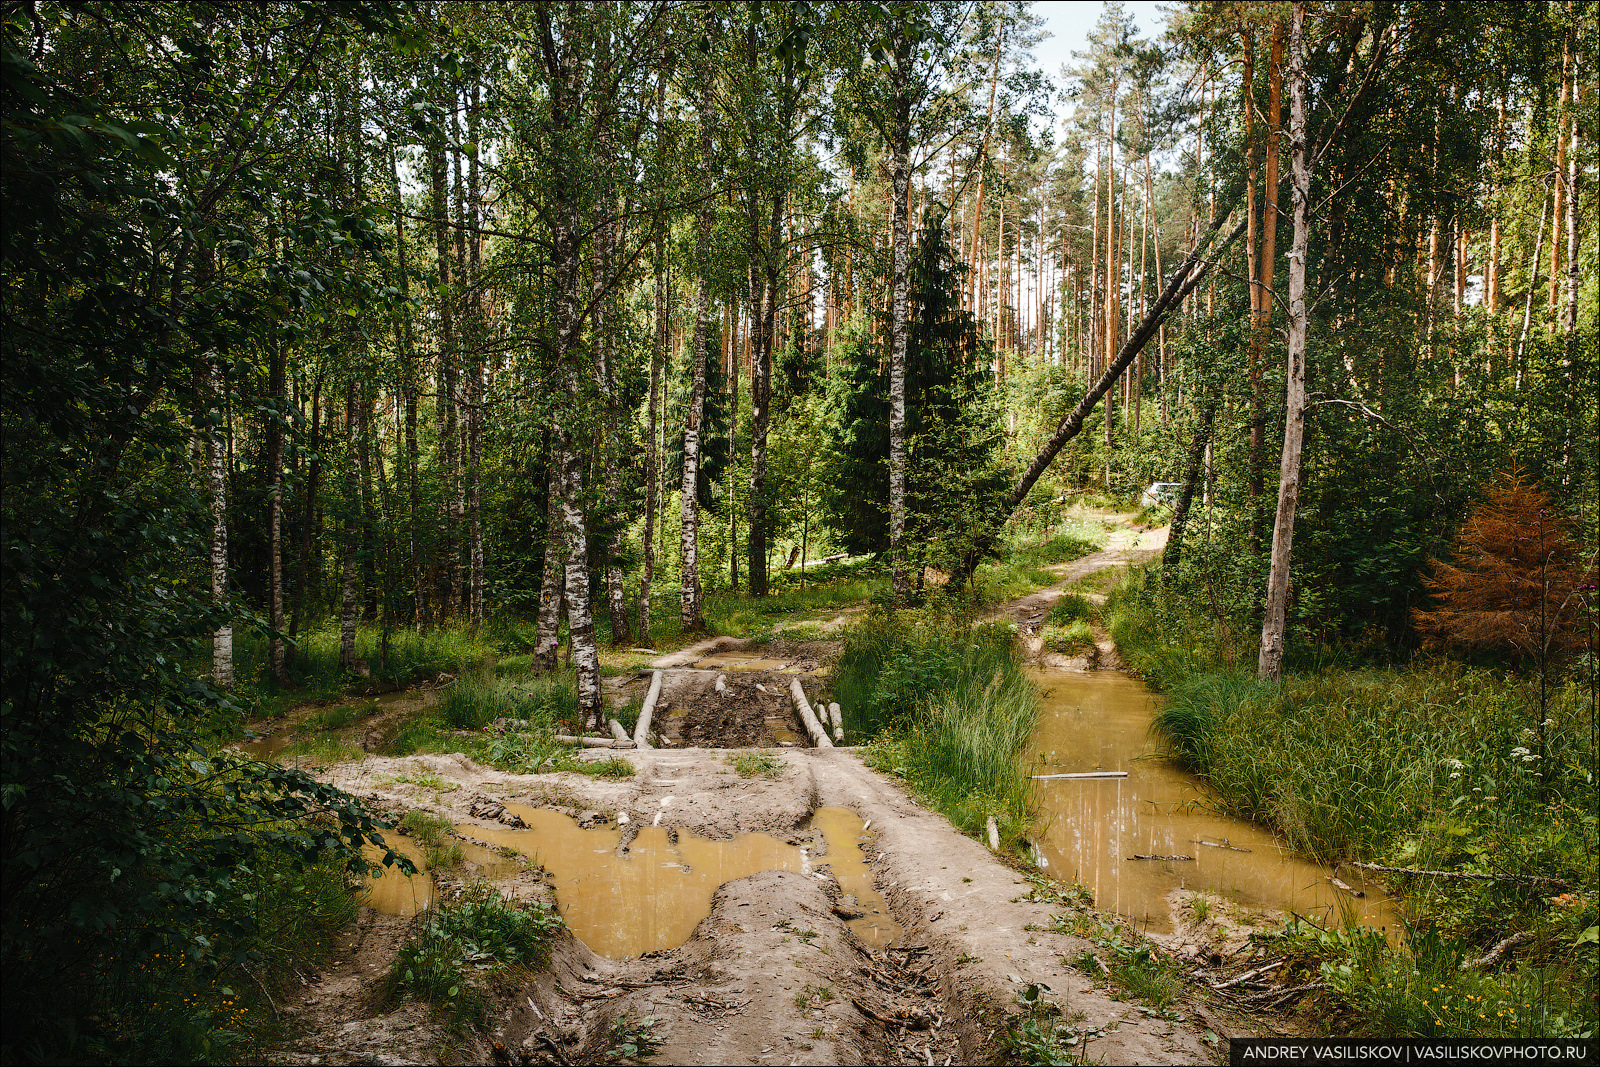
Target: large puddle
x=1101, y=722
x=654, y=894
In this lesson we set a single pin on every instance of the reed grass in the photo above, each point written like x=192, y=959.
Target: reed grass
x=951, y=706
x=1428, y=766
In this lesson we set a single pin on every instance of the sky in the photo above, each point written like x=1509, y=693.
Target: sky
x=1070, y=22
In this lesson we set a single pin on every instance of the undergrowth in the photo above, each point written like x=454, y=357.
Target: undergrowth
x=951, y=706
x=464, y=940
x=1426, y=766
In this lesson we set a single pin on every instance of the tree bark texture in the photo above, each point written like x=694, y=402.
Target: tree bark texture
x=900, y=169
x=216, y=477
x=349, y=600
x=1275, y=621
x=690, y=610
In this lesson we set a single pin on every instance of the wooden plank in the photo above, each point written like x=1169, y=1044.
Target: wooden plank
x=1080, y=774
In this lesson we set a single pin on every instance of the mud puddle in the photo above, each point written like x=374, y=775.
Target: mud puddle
x=651, y=894
x=393, y=893
x=1101, y=722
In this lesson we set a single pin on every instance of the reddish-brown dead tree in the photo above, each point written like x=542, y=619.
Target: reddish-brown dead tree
x=1516, y=583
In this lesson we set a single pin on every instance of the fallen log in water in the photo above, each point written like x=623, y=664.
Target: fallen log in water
x=1170, y=859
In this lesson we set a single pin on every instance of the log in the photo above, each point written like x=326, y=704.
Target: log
x=617, y=731
x=1080, y=774
x=819, y=737
x=641, y=729
x=1174, y=859
x=1499, y=950
x=593, y=742
x=994, y=833
x=1536, y=878
x=1337, y=884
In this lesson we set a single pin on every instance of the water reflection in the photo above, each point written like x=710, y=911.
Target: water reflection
x=1100, y=721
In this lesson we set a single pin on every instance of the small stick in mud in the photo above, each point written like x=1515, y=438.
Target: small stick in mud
x=1082, y=774
x=1222, y=844
x=1136, y=856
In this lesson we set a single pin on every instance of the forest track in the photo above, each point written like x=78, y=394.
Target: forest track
x=773, y=973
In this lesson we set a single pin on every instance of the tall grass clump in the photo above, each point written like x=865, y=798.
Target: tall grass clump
x=952, y=707
x=394, y=660
x=1429, y=766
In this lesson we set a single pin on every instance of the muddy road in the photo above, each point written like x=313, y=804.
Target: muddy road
x=794, y=908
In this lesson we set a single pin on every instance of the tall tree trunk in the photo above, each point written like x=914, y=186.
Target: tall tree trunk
x=1253, y=475
x=764, y=283
x=690, y=600
x=408, y=387
x=475, y=380
x=900, y=171
x=658, y=360
x=350, y=600
x=277, y=386
x=308, y=513
x=1275, y=622
x=445, y=392
x=547, y=639
x=217, y=483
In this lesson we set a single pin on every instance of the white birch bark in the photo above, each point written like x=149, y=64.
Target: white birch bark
x=222, y=640
x=900, y=313
x=690, y=599
x=1275, y=622
x=547, y=640
x=349, y=606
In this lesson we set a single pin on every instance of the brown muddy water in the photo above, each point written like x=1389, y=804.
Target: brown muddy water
x=1101, y=722
x=653, y=894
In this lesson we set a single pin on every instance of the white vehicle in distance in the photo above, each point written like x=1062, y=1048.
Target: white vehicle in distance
x=1161, y=493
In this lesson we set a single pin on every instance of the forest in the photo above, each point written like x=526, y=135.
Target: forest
x=347, y=344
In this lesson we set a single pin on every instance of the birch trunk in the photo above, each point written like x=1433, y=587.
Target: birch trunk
x=547, y=641
x=276, y=385
x=475, y=380
x=217, y=482
x=1275, y=622
x=900, y=314
x=690, y=600
x=349, y=602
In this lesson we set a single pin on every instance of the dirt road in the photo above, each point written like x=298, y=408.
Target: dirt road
x=777, y=970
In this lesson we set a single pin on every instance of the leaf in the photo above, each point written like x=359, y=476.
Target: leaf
x=1590, y=936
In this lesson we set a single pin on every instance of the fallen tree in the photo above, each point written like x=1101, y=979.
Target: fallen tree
x=1184, y=279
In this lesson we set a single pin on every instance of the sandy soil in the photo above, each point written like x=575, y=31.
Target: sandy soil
x=773, y=974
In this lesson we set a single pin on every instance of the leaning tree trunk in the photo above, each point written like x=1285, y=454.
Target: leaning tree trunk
x=1173, y=555
x=1189, y=274
x=1275, y=622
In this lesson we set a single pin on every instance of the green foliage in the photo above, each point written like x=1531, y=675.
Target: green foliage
x=462, y=941
x=632, y=1037
x=955, y=475
x=953, y=707
x=1431, y=986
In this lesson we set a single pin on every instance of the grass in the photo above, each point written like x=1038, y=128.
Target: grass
x=951, y=706
x=463, y=940
x=321, y=751
x=755, y=764
x=1429, y=766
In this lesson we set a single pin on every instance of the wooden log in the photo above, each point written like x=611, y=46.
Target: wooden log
x=1338, y=884
x=994, y=833
x=819, y=737
x=593, y=742
x=641, y=729
x=617, y=730
x=1464, y=874
x=1080, y=774
x=1172, y=859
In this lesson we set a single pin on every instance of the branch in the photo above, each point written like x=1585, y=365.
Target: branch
x=1474, y=875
